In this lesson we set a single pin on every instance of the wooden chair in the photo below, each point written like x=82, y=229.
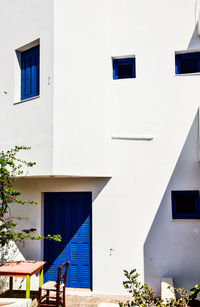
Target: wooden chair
x=57, y=286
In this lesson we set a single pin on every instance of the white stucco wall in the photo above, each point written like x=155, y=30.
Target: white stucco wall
x=82, y=70
x=70, y=127
x=172, y=246
x=96, y=107
x=90, y=107
x=28, y=123
x=115, y=225
x=34, y=189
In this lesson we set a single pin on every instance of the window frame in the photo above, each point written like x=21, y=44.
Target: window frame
x=189, y=54
x=31, y=73
x=120, y=61
x=175, y=214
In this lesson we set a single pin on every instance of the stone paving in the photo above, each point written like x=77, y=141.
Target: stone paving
x=93, y=300
x=83, y=299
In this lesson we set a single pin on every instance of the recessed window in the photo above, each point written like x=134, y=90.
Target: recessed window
x=187, y=63
x=185, y=205
x=30, y=71
x=124, y=68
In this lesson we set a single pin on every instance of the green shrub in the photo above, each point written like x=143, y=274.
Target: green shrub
x=144, y=296
x=12, y=166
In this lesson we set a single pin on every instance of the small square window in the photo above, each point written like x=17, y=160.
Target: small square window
x=187, y=63
x=185, y=205
x=124, y=68
x=30, y=73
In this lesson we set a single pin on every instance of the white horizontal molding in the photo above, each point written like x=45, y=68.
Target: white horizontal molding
x=133, y=137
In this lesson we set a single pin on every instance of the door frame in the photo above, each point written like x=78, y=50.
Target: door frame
x=91, y=232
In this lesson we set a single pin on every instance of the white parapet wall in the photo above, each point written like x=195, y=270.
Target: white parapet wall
x=167, y=289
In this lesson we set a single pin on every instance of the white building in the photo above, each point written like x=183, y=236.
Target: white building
x=127, y=143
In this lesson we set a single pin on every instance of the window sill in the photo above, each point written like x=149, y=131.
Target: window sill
x=133, y=137
x=22, y=101
x=186, y=220
x=189, y=74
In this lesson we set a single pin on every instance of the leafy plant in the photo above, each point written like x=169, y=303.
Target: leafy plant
x=183, y=298
x=195, y=291
x=144, y=296
x=10, y=167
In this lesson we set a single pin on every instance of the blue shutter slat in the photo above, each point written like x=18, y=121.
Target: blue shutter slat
x=86, y=274
x=35, y=72
x=23, y=80
x=86, y=228
x=74, y=273
x=31, y=77
x=51, y=272
x=85, y=251
x=63, y=254
x=74, y=251
x=28, y=77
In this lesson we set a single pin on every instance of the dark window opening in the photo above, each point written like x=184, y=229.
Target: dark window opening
x=187, y=63
x=124, y=68
x=185, y=205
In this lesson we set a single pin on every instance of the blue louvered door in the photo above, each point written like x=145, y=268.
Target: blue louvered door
x=69, y=214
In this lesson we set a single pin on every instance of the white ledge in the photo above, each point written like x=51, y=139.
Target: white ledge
x=25, y=100
x=133, y=138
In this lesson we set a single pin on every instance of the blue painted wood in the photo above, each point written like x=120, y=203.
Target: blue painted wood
x=69, y=214
x=30, y=73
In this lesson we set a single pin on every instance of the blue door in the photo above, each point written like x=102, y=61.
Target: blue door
x=69, y=214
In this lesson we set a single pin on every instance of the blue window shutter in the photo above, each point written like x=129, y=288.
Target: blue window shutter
x=35, y=72
x=23, y=78
x=177, y=65
x=25, y=83
x=30, y=73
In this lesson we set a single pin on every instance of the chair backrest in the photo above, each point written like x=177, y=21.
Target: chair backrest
x=64, y=266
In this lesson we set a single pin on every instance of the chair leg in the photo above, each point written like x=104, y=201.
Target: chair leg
x=47, y=297
x=57, y=302
x=39, y=296
x=64, y=296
